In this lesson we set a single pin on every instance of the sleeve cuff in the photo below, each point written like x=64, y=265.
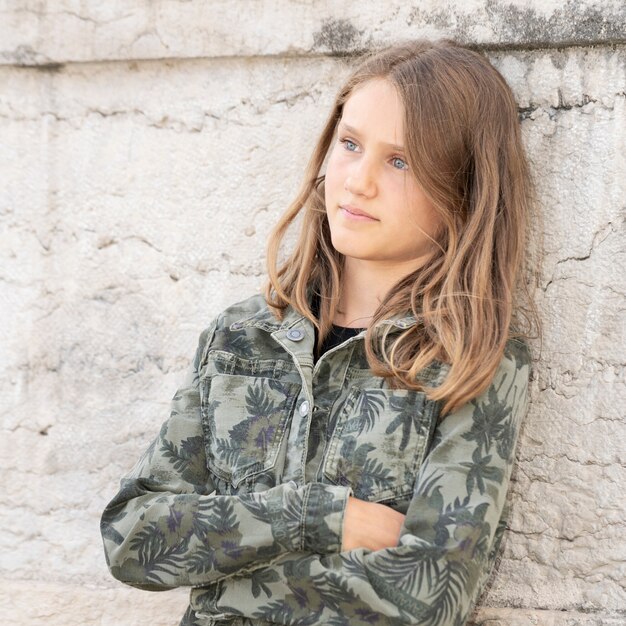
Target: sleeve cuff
x=322, y=528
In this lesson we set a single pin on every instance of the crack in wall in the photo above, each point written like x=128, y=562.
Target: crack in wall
x=169, y=122
x=599, y=236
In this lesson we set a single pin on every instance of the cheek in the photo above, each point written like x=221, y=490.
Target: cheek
x=333, y=172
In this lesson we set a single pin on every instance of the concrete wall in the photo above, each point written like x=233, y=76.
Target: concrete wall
x=146, y=147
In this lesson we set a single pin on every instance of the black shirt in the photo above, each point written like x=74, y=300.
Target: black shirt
x=336, y=335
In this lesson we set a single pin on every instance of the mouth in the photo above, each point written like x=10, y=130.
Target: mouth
x=355, y=213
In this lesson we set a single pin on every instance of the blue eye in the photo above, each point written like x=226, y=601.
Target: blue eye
x=347, y=143
x=403, y=165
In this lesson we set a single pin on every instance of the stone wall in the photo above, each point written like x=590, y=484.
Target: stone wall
x=146, y=148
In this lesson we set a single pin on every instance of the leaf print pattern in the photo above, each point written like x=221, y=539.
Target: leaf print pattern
x=258, y=428
x=375, y=474
x=185, y=459
x=447, y=545
x=494, y=421
x=237, y=343
x=378, y=442
x=488, y=421
x=244, y=434
x=505, y=444
x=168, y=527
x=156, y=559
x=371, y=403
x=259, y=548
x=260, y=579
x=406, y=417
x=479, y=470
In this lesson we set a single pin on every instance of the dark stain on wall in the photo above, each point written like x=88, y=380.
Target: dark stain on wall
x=571, y=23
x=513, y=26
x=340, y=37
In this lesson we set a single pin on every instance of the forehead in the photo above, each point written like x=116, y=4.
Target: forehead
x=375, y=108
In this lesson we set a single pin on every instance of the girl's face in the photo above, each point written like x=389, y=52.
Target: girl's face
x=376, y=210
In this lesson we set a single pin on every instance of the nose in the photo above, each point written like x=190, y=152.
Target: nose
x=361, y=179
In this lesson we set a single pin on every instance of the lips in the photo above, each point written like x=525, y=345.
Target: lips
x=356, y=211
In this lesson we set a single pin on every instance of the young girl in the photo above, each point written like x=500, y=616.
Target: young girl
x=341, y=449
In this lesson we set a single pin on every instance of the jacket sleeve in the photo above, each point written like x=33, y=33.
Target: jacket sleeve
x=166, y=527
x=447, y=544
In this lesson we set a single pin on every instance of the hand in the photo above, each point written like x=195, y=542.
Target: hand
x=370, y=525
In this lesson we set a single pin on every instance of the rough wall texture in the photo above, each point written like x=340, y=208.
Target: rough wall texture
x=145, y=150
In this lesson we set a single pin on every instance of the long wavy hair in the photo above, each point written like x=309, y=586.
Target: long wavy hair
x=464, y=148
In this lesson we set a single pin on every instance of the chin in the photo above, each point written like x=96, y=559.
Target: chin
x=347, y=248
x=353, y=253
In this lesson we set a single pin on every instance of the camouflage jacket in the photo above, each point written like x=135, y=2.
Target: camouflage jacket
x=241, y=496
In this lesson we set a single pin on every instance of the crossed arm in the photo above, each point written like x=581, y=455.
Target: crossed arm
x=299, y=554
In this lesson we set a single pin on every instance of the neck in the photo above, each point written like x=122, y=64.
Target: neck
x=364, y=285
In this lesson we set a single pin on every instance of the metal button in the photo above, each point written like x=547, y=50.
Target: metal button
x=295, y=334
x=304, y=408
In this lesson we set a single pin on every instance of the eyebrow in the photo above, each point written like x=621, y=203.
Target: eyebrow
x=354, y=131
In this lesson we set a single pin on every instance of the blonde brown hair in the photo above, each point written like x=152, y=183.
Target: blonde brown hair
x=464, y=148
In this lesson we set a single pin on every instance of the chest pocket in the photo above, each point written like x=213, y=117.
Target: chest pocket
x=246, y=407
x=378, y=443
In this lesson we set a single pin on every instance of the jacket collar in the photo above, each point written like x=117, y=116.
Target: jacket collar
x=265, y=320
